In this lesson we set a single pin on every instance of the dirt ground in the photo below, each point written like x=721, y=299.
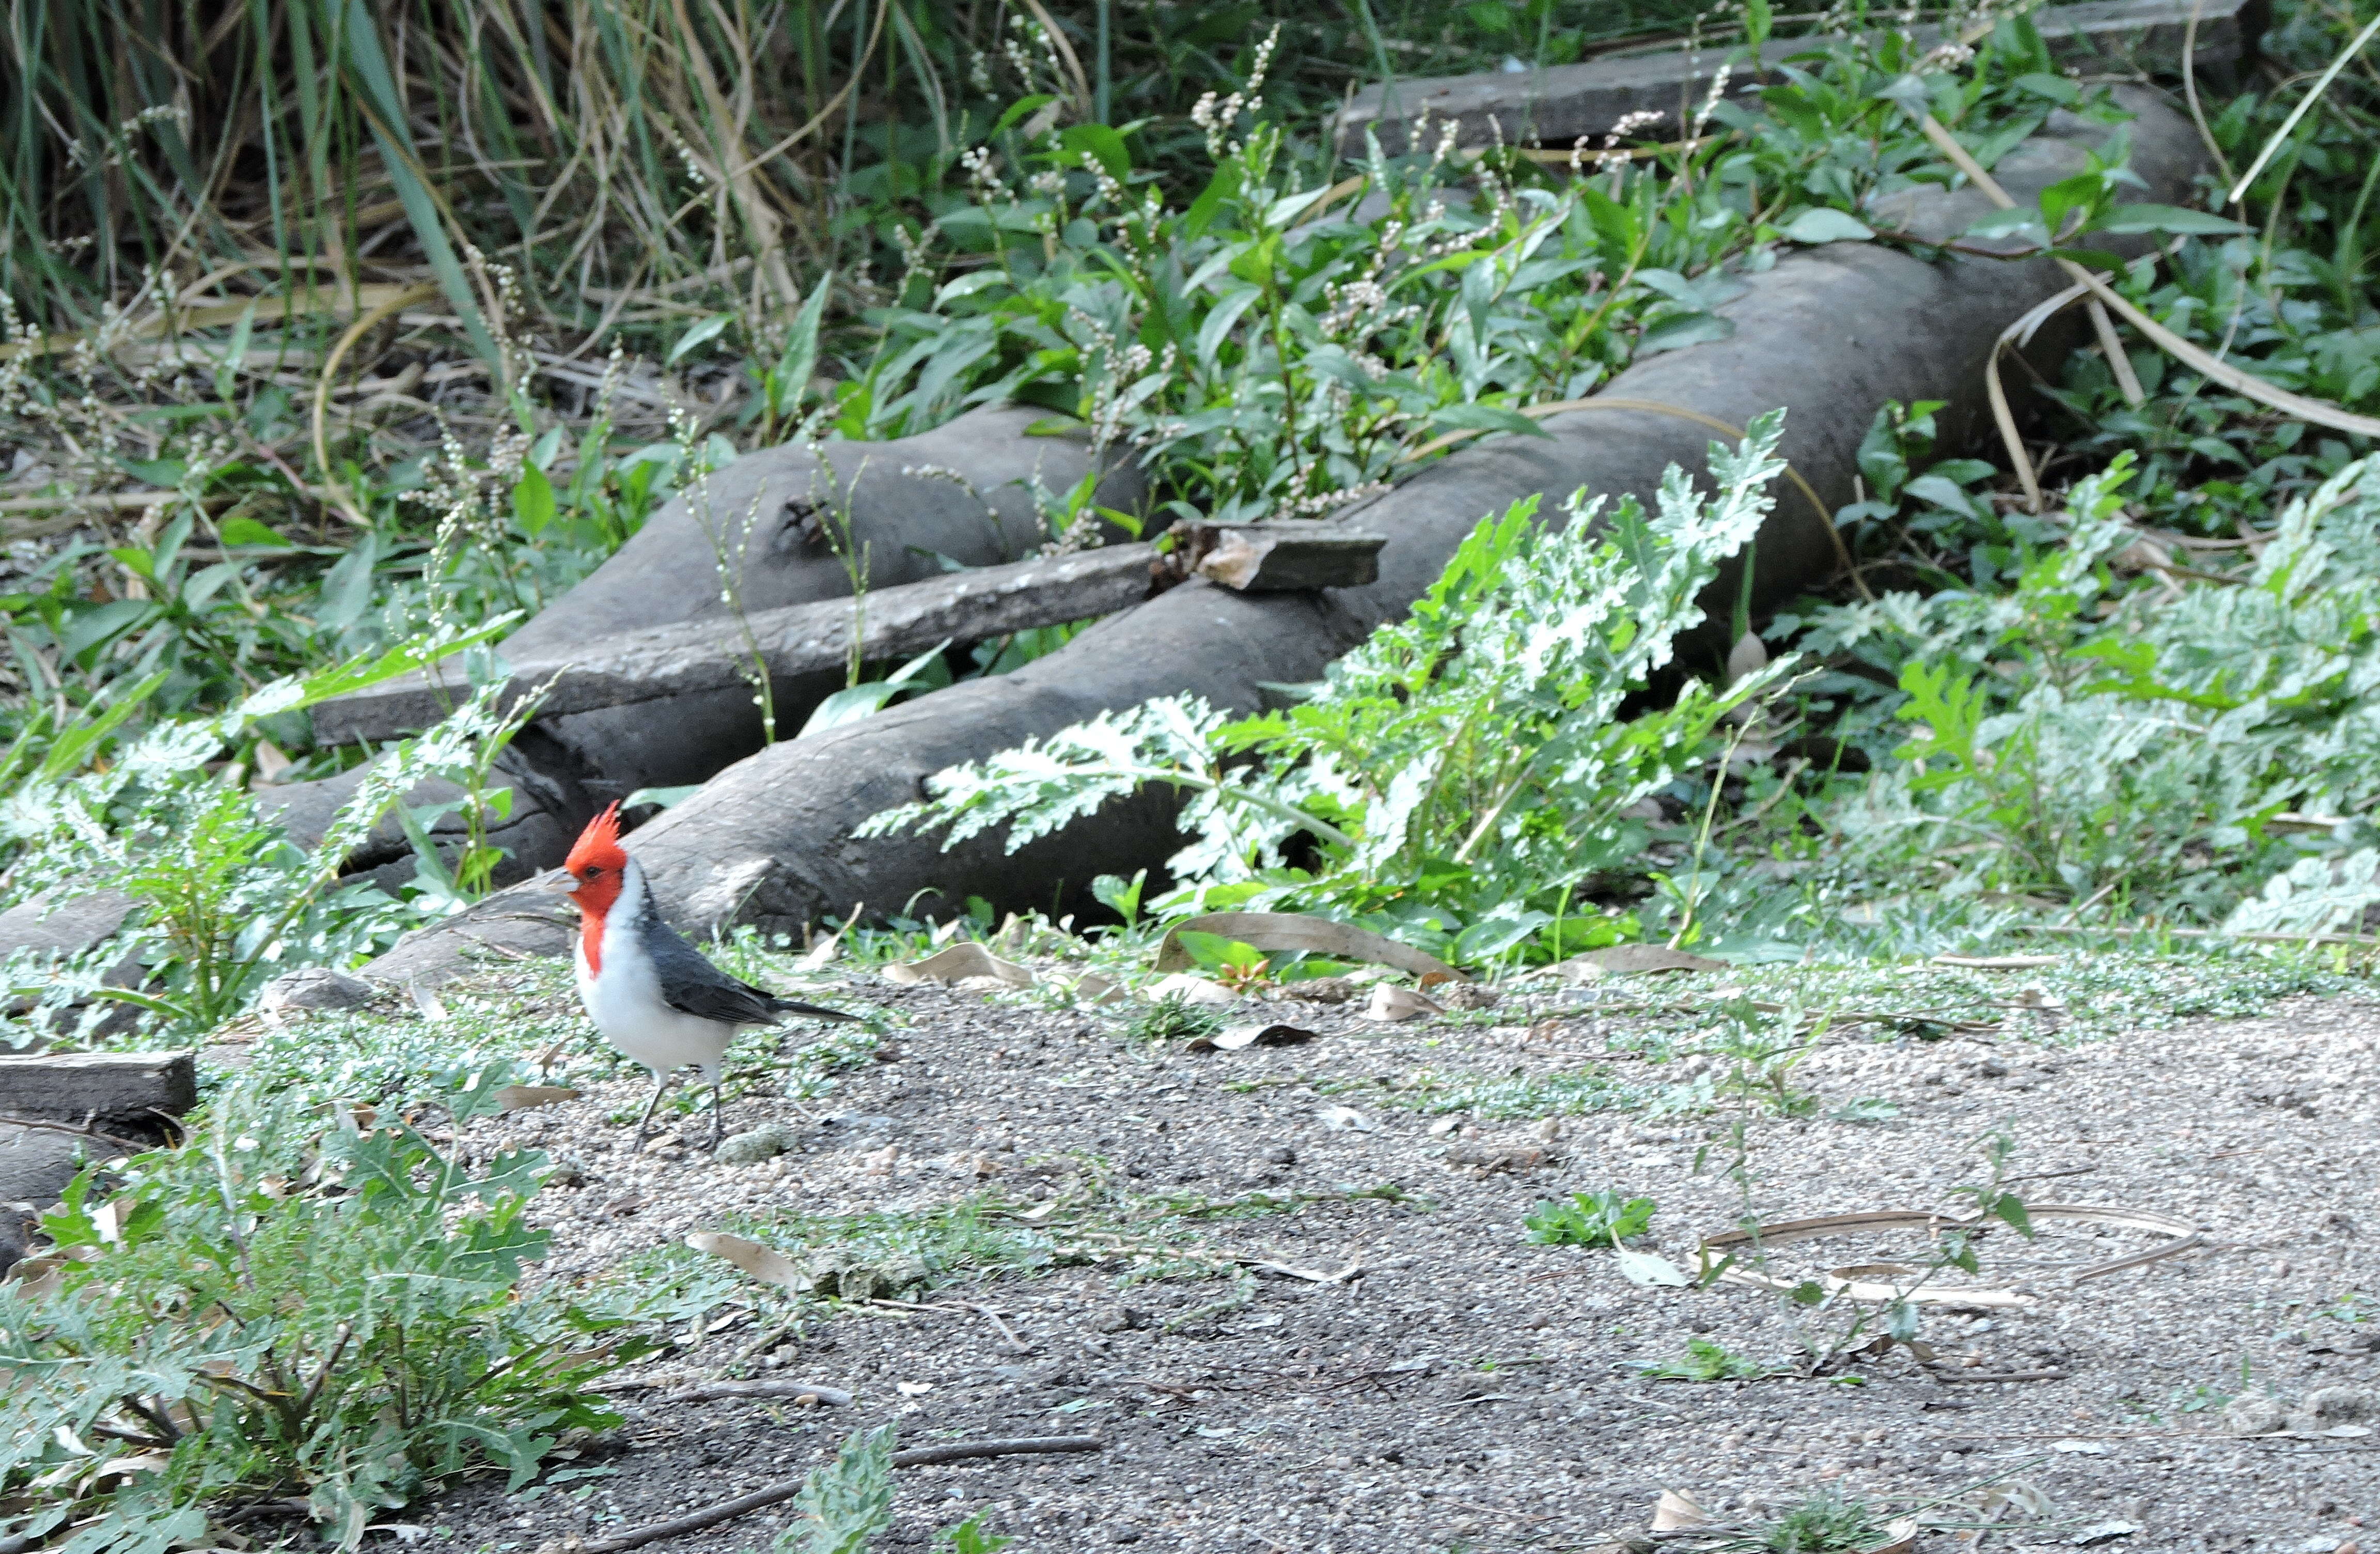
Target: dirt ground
x=1464, y=1389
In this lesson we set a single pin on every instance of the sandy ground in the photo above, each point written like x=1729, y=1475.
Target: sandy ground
x=1465, y=1389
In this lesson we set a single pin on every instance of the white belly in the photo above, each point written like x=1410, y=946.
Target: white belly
x=627, y=1007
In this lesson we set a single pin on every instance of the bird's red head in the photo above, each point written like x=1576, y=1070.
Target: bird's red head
x=595, y=867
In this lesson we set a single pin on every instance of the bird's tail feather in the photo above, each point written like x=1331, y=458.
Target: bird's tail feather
x=816, y=1012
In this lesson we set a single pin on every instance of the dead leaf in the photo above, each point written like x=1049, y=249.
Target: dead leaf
x=1391, y=1002
x=1677, y=1511
x=2103, y=1532
x=1202, y=991
x=1620, y=959
x=38, y=1278
x=1650, y=1270
x=1344, y=1119
x=1231, y=1038
x=270, y=764
x=124, y=1467
x=822, y=954
x=1489, y=1160
x=957, y=963
x=1749, y=656
x=1092, y=988
x=1899, y=1535
x=1997, y=962
x=432, y=1007
x=1295, y=931
x=521, y=1097
x=763, y=1263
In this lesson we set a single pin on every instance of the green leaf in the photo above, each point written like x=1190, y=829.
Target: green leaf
x=1221, y=189
x=241, y=529
x=789, y=381
x=1022, y=109
x=2126, y=218
x=1757, y=20
x=1484, y=417
x=236, y=354
x=533, y=503
x=1823, y=224
x=702, y=333
x=1103, y=145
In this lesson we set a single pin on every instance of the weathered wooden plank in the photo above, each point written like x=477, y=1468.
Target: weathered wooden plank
x=1282, y=558
x=1556, y=106
x=672, y=660
x=121, y=1087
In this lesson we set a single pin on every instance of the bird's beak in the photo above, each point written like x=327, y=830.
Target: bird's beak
x=562, y=882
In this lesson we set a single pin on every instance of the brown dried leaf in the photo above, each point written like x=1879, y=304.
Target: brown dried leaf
x=522, y=1097
x=1295, y=931
x=1620, y=959
x=762, y=1263
x=1749, y=656
x=1677, y=1511
x=1200, y=991
x=1900, y=1536
x=1400, y=1003
x=958, y=963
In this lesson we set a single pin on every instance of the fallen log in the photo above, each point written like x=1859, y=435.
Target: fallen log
x=786, y=520
x=1559, y=105
x=1829, y=332
x=798, y=641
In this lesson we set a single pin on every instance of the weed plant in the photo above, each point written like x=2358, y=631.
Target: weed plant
x=302, y=1300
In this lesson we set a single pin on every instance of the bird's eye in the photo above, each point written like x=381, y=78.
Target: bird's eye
x=591, y=871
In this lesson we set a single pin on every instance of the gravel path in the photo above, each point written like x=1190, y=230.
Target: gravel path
x=1465, y=1389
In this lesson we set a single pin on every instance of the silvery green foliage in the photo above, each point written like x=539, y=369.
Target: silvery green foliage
x=223, y=899
x=2312, y=897
x=2087, y=734
x=846, y=1503
x=290, y=1304
x=1470, y=757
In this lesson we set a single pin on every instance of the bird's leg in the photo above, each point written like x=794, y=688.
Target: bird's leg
x=718, y=1115
x=644, y=1124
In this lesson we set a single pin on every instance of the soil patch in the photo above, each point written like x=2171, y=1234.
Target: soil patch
x=1461, y=1386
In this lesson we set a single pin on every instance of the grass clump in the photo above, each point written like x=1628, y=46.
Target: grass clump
x=292, y=1303
x=1590, y=1220
x=1172, y=1018
x=1706, y=1361
x=1826, y=1522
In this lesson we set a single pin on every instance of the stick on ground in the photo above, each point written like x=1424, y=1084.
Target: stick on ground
x=786, y=1489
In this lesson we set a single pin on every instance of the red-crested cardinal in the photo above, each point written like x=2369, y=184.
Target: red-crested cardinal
x=653, y=995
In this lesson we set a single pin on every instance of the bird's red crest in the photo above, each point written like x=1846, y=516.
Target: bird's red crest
x=599, y=844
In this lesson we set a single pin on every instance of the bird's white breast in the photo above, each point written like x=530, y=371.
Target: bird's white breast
x=626, y=999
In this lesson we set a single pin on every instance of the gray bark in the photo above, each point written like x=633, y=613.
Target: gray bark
x=793, y=641
x=127, y=1089
x=1557, y=106
x=1829, y=332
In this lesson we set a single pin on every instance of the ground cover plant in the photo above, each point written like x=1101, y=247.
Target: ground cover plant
x=307, y=1298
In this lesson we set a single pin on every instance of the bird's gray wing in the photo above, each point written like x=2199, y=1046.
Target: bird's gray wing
x=691, y=985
